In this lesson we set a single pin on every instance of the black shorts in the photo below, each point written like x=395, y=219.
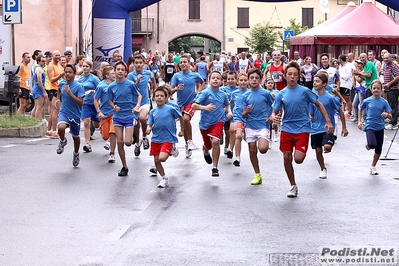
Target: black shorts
x=321, y=139
x=227, y=125
x=168, y=77
x=25, y=93
x=51, y=94
x=344, y=91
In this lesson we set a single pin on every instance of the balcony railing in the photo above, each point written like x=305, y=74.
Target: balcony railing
x=142, y=25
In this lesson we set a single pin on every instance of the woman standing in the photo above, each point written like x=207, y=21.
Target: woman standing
x=307, y=72
x=89, y=112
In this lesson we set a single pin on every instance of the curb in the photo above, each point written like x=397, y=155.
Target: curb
x=29, y=132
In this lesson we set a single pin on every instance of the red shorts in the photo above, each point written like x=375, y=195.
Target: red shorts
x=214, y=131
x=157, y=148
x=188, y=109
x=288, y=141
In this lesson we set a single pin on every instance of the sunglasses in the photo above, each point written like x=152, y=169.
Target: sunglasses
x=276, y=55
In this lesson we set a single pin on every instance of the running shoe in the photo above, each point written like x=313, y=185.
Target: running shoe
x=257, y=180
x=123, y=172
x=92, y=137
x=107, y=145
x=215, y=172
x=76, y=160
x=61, y=146
x=146, y=143
x=164, y=182
x=229, y=154
x=48, y=134
x=207, y=157
x=188, y=152
x=236, y=163
x=54, y=136
x=391, y=127
x=293, y=192
x=323, y=174
x=137, y=149
x=373, y=170
x=190, y=145
x=87, y=147
x=175, y=151
x=111, y=158
x=153, y=170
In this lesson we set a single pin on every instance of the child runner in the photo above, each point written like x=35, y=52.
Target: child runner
x=186, y=84
x=89, y=113
x=228, y=127
x=125, y=100
x=295, y=100
x=105, y=112
x=162, y=123
x=238, y=120
x=319, y=138
x=257, y=108
x=141, y=77
x=212, y=103
x=271, y=87
x=377, y=109
x=71, y=110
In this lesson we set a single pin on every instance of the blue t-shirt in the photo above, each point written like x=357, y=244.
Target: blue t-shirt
x=146, y=75
x=69, y=107
x=173, y=105
x=219, y=99
x=332, y=105
x=124, y=95
x=103, y=95
x=261, y=101
x=187, y=94
x=228, y=90
x=163, y=121
x=202, y=69
x=374, y=108
x=236, y=100
x=296, y=108
x=89, y=82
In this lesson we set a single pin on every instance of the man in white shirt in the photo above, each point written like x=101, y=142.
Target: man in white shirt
x=346, y=78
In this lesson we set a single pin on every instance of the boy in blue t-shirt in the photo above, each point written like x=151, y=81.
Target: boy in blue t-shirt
x=71, y=110
x=125, y=100
x=229, y=133
x=187, y=84
x=212, y=103
x=257, y=108
x=319, y=138
x=295, y=100
x=162, y=123
x=238, y=120
x=377, y=109
x=142, y=78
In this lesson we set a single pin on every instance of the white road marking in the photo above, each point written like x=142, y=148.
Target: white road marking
x=34, y=140
x=142, y=205
x=118, y=232
x=9, y=146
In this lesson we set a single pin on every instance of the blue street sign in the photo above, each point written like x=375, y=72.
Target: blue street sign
x=288, y=34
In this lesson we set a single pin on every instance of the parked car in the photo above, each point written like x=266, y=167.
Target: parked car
x=4, y=100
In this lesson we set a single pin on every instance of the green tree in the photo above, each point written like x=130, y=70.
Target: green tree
x=296, y=27
x=262, y=38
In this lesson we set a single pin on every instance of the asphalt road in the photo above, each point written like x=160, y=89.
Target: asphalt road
x=54, y=214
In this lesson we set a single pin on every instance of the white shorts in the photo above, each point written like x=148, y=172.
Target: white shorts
x=253, y=135
x=145, y=107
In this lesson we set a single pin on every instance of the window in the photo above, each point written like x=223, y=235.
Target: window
x=343, y=2
x=194, y=9
x=243, y=17
x=307, y=17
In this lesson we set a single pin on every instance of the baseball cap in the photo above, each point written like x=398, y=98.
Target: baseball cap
x=359, y=62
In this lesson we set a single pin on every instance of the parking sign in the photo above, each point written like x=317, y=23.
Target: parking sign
x=12, y=12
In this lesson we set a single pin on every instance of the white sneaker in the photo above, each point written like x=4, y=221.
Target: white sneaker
x=188, y=152
x=390, y=127
x=276, y=136
x=164, y=182
x=323, y=173
x=373, y=170
x=107, y=145
x=175, y=151
x=111, y=158
x=190, y=145
x=293, y=192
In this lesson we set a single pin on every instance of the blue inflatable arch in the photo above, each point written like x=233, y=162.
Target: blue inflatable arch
x=112, y=27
